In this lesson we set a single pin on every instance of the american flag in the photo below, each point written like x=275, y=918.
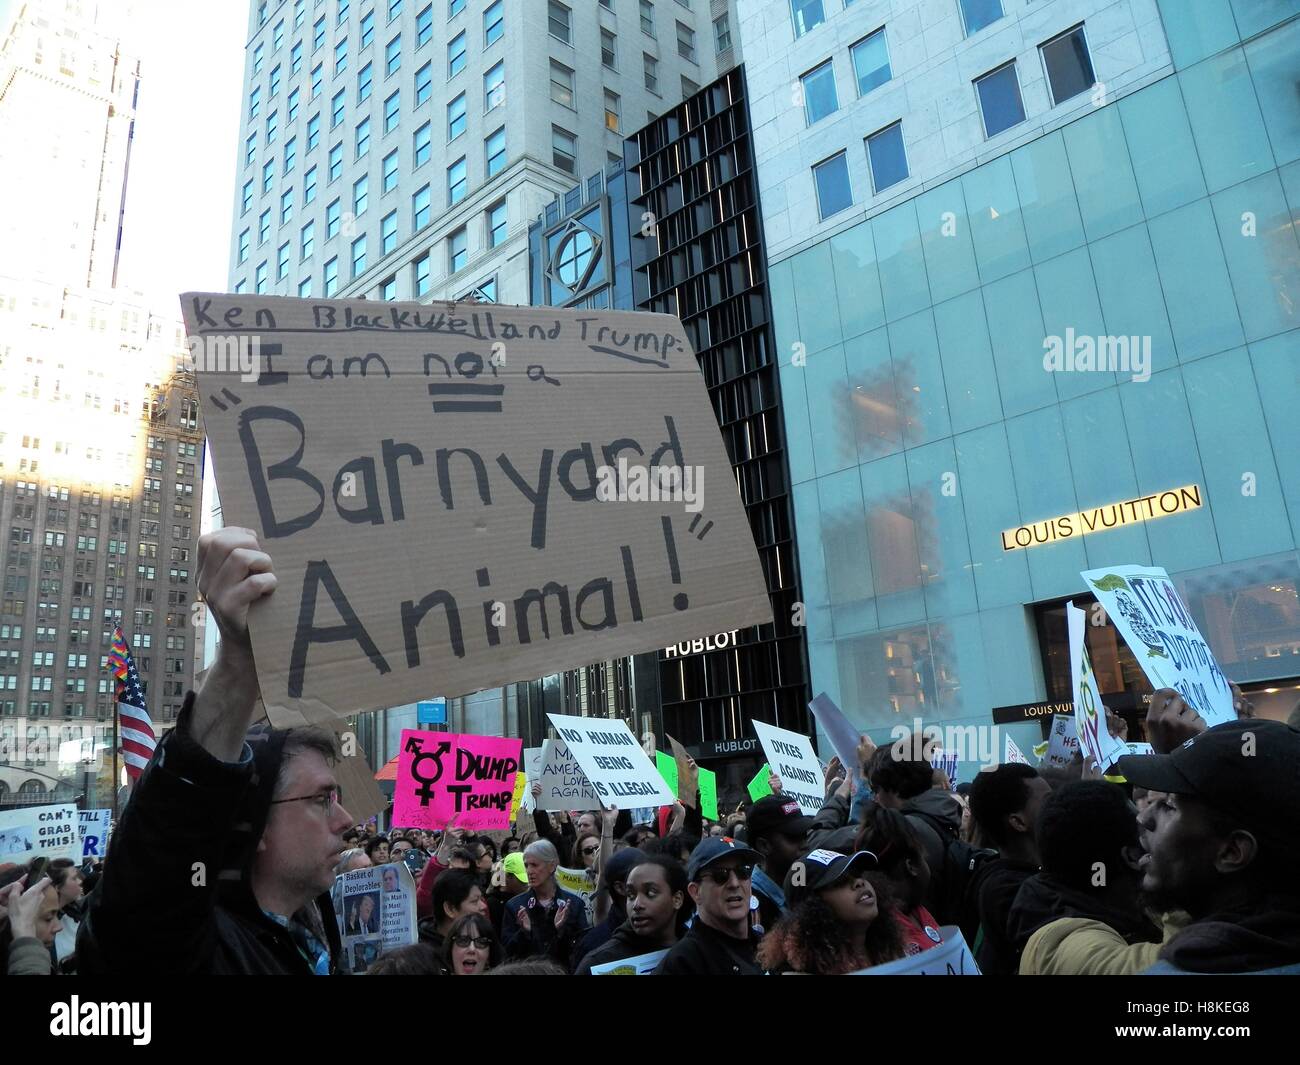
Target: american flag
x=137, y=735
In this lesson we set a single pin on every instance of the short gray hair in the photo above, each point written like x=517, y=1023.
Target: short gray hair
x=543, y=849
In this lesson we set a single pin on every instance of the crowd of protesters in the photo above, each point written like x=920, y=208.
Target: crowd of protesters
x=1183, y=861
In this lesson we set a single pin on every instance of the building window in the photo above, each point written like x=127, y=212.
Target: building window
x=388, y=288
x=359, y=256
x=494, y=150
x=651, y=66
x=558, y=18
x=454, y=8
x=807, y=14
x=871, y=62
x=361, y=194
x=423, y=141
x=832, y=180
x=313, y=131
x=331, y=277
x=424, y=26
x=494, y=86
x=294, y=97
x=393, y=56
x=308, y=244
x=295, y=58
x=318, y=33
x=282, y=262
x=685, y=41
x=272, y=126
x=343, y=12
x=337, y=105
x=257, y=60
x=456, y=117
x=457, y=250
x=608, y=49
x=1069, y=67
x=457, y=182
x=423, y=83
x=611, y=110
x=420, y=208
x=887, y=157
x=250, y=148
x=561, y=84
x=1000, y=103
x=263, y=226
x=689, y=88
x=496, y=224
x=317, y=79
x=243, y=247
x=721, y=33
x=494, y=23
x=363, y=137
x=332, y=215
x=456, y=49
x=388, y=233
x=340, y=57
x=259, y=278
x=246, y=200
x=819, y=99
x=364, y=83
x=564, y=150
x=336, y=161
x=422, y=275
x=647, y=18
x=309, y=186
x=976, y=14
x=392, y=111
x=275, y=79
x=390, y=171
x=286, y=206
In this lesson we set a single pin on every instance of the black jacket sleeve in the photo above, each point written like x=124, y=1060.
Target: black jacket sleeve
x=154, y=907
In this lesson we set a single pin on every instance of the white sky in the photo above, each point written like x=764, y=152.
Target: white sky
x=180, y=191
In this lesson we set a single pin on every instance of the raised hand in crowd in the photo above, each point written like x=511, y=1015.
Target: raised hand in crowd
x=1171, y=722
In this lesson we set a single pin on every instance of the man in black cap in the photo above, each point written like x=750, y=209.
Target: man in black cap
x=1220, y=835
x=224, y=858
x=718, y=943
x=777, y=829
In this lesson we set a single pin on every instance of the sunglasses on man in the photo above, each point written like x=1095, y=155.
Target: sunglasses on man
x=743, y=871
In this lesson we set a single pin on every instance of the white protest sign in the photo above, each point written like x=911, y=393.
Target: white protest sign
x=1095, y=739
x=1012, y=752
x=1062, y=743
x=843, y=736
x=375, y=909
x=564, y=785
x=533, y=771
x=579, y=882
x=1144, y=605
x=458, y=496
x=947, y=761
x=952, y=957
x=39, y=832
x=614, y=762
x=793, y=759
x=92, y=830
x=641, y=965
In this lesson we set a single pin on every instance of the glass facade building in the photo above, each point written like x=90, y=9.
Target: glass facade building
x=926, y=414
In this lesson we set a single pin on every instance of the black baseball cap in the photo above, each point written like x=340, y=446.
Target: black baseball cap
x=823, y=868
x=774, y=814
x=1249, y=768
x=714, y=848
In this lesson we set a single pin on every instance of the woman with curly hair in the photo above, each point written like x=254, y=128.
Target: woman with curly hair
x=904, y=875
x=835, y=921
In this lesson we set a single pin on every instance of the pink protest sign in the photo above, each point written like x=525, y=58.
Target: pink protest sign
x=442, y=775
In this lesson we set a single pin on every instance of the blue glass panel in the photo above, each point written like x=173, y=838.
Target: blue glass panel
x=798, y=434
x=1011, y=656
x=1198, y=296
x=996, y=226
x=918, y=379
x=857, y=280
x=785, y=319
x=813, y=281
x=1278, y=382
x=902, y=262
x=812, y=563
x=1161, y=147
x=1103, y=176
x=1275, y=68
x=1016, y=331
x=941, y=542
x=830, y=411
x=1132, y=302
x=895, y=568
x=946, y=241
x=878, y=416
x=988, y=495
x=1229, y=131
x=968, y=370
x=961, y=680
x=845, y=547
x=1047, y=202
x=1255, y=16
x=1264, y=265
x=1068, y=298
x=1197, y=30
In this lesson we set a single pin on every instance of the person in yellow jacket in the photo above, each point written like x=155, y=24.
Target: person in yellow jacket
x=1080, y=946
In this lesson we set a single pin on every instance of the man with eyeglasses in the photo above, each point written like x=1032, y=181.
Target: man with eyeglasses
x=718, y=943
x=229, y=843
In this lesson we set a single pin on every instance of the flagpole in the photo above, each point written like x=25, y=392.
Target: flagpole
x=113, y=785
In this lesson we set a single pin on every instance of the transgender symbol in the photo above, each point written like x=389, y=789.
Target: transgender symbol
x=425, y=791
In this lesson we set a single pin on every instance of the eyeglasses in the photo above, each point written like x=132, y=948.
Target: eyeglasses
x=590, y=850
x=720, y=876
x=327, y=800
x=482, y=942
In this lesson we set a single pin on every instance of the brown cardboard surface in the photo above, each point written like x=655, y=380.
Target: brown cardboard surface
x=348, y=452
x=688, y=779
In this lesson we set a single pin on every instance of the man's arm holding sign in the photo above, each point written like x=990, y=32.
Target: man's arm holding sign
x=168, y=847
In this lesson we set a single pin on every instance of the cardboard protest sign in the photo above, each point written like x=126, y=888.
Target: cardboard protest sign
x=838, y=729
x=533, y=771
x=641, y=965
x=1095, y=740
x=947, y=761
x=564, y=785
x=758, y=787
x=39, y=832
x=460, y=496
x=521, y=793
x=614, y=762
x=795, y=762
x=686, y=770
x=1149, y=613
x=952, y=957
x=443, y=775
x=1012, y=752
x=92, y=831
x=1062, y=743
x=708, y=784
x=582, y=885
x=375, y=909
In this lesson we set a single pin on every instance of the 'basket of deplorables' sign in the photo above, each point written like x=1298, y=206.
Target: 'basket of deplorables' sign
x=455, y=497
